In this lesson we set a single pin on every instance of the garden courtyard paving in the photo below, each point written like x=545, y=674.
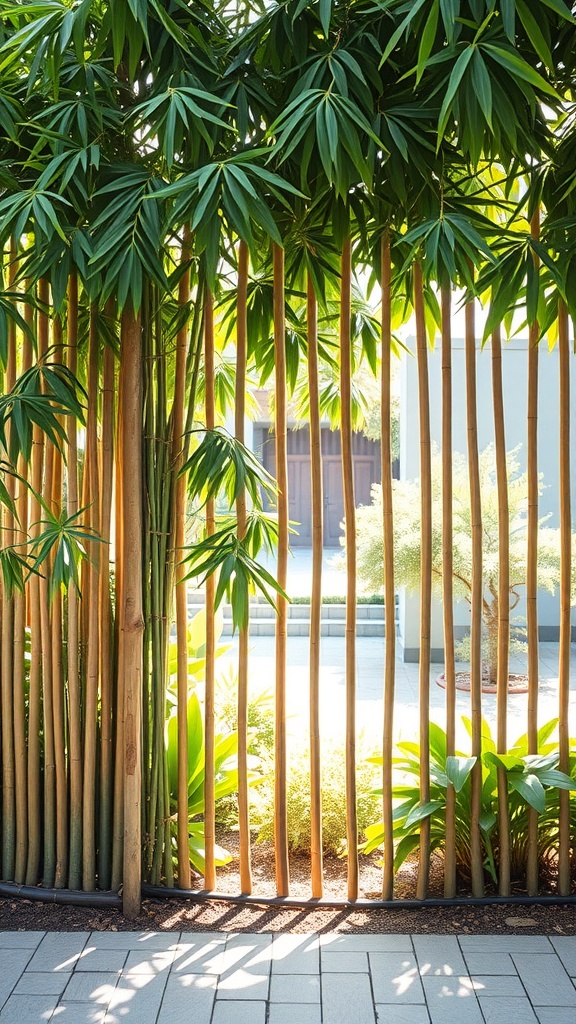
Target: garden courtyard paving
x=218, y=978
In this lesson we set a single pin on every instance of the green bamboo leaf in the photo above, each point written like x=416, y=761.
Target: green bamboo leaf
x=518, y=68
x=456, y=77
x=325, y=12
x=508, y=10
x=482, y=86
x=427, y=40
x=534, y=33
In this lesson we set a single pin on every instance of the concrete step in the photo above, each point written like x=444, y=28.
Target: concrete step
x=372, y=612
x=369, y=619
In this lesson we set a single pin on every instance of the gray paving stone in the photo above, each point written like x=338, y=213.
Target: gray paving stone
x=451, y=1000
x=347, y=999
x=499, y=986
x=439, y=955
x=355, y=962
x=29, y=1009
x=58, y=951
x=196, y=953
x=187, y=998
x=81, y=1013
x=283, y=1013
x=554, y=1015
x=295, y=954
x=367, y=943
x=237, y=956
x=545, y=979
x=13, y=962
x=239, y=1013
x=37, y=983
x=504, y=944
x=20, y=940
x=149, y=961
x=489, y=963
x=391, y=1013
x=242, y=984
x=395, y=978
x=295, y=988
x=91, y=987
x=133, y=940
x=136, y=999
x=565, y=946
x=507, y=1011
x=101, y=960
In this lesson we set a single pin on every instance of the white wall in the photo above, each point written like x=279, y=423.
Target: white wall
x=515, y=377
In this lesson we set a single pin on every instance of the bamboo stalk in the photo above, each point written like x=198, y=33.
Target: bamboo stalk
x=132, y=618
x=91, y=595
x=241, y=519
x=105, y=622
x=564, y=840
x=7, y=641
x=178, y=441
x=74, y=698
x=118, y=794
x=532, y=576
x=389, y=588
x=280, y=805
x=476, y=604
x=448, y=586
x=209, y=708
x=317, y=874
x=503, y=611
x=350, y=548
x=425, y=577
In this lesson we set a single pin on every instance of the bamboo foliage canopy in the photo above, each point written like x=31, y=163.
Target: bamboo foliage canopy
x=141, y=141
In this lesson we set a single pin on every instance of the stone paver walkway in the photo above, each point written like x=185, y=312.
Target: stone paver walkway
x=218, y=978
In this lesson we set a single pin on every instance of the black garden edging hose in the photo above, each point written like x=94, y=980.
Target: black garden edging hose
x=68, y=897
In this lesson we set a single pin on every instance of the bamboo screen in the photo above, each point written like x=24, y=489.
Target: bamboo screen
x=98, y=791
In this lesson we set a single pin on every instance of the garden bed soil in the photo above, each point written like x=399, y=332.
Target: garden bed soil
x=516, y=683
x=186, y=915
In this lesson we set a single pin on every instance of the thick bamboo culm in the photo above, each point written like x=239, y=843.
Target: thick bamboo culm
x=388, y=556
x=350, y=549
x=425, y=577
x=503, y=611
x=132, y=622
x=180, y=596
x=56, y=624
x=316, y=860
x=280, y=765
x=532, y=574
x=209, y=708
x=564, y=839
x=476, y=602
x=241, y=520
x=448, y=586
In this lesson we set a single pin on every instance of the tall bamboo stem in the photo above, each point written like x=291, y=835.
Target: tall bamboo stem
x=425, y=576
x=476, y=603
x=107, y=708
x=280, y=805
x=178, y=442
x=448, y=586
x=118, y=795
x=350, y=548
x=532, y=576
x=74, y=696
x=209, y=708
x=7, y=654
x=315, y=593
x=565, y=608
x=503, y=610
x=241, y=519
x=62, y=809
x=132, y=624
x=389, y=588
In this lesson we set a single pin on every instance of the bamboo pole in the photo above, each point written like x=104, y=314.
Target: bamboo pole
x=315, y=594
x=118, y=794
x=350, y=548
x=448, y=586
x=241, y=519
x=565, y=607
x=209, y=708
x=74, y=695
x=7, y=638
x=476, y=603
x=389, y=588
x=178, y=441
x=280, y=805
x=503, y=611
x=91, y=595
x=532, y=576
x=106, y=476
x=425, y=577
x=132, y=619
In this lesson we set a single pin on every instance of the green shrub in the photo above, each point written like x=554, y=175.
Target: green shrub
x=333, y=800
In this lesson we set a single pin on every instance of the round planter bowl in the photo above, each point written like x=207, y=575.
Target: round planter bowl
x=516, y=683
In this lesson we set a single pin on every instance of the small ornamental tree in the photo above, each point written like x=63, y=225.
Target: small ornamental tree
x=406, y=500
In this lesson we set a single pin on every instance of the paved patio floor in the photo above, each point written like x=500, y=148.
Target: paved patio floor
x=218, y=978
